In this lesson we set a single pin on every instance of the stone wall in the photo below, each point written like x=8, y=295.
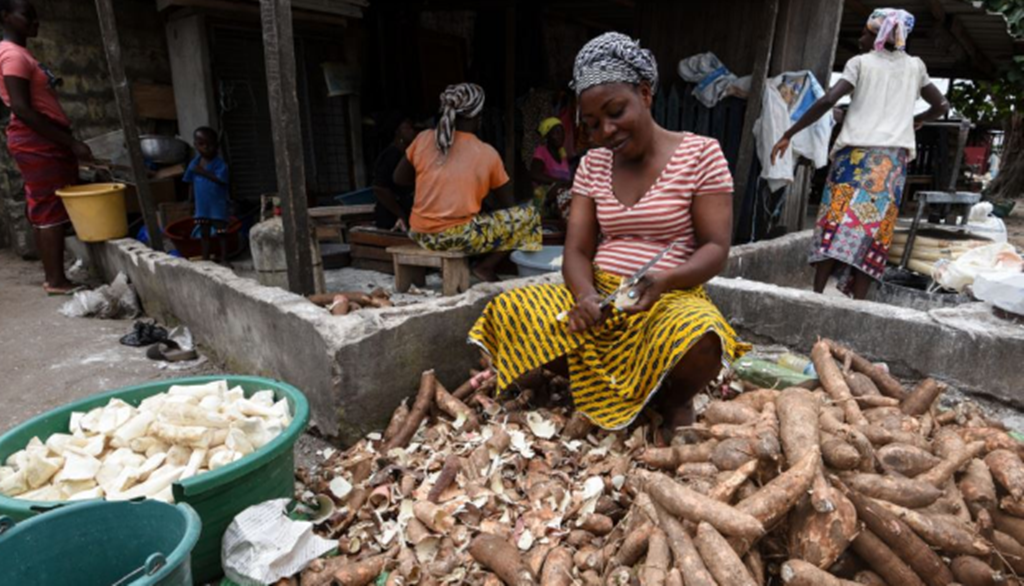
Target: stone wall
x=69, y=44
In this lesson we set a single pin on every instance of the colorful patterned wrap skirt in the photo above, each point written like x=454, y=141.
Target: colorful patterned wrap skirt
x=515, y=228
x=859, y=210
x=45, y=167
x=615, y=368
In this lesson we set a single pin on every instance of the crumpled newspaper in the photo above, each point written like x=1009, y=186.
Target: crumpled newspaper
x=262, y=545
x=114, y=301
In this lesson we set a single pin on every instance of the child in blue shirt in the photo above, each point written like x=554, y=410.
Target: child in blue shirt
x=208, y=175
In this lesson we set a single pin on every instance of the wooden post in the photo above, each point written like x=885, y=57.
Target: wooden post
x=286, y=130
x=762, y=58
x=510, y=94
x=126, y=109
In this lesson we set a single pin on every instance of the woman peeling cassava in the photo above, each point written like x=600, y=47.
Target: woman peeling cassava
x=644, y=190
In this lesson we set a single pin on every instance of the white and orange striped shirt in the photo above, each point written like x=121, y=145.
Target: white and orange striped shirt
x=631, y=236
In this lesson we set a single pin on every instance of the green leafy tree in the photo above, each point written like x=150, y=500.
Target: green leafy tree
x=999, y=103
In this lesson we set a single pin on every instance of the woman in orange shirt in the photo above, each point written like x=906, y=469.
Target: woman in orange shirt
x=454, y=173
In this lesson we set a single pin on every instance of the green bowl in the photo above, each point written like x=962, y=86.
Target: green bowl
x=217, y=496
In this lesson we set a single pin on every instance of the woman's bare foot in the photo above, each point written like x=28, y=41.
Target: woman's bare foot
x=677, y=416
x=65, y=288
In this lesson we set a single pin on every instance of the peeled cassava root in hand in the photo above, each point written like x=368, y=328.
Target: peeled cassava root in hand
x=858, y=482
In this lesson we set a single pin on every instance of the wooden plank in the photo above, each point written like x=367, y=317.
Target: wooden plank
x=413, y=260
x=285, y=125
x=510, y=95
x=978, y=58
x=342, y=211
x=859, y=7
x=355, y=128
x=126, y=110
x=795, y=209
x=373, y=265
x=416, y=250
x=455, y=276
x=155, y=101
x=763, y=53
x=938, y=10
x=379, y=237
x=244, y=7
x=370, y=252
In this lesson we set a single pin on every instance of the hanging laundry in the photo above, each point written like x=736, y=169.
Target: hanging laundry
x=786, y=98
x=714, y=80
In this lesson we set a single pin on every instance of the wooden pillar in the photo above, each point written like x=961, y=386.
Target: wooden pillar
x=126, y=109
x=762, y=58
x=286, y=131
x=510, y=94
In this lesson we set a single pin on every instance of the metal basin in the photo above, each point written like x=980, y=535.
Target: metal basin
x=163, y=150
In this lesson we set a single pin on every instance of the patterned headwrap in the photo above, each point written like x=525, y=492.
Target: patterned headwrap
x=461, y=99
x=613, y=58
x=547, y=124
x=891, y=24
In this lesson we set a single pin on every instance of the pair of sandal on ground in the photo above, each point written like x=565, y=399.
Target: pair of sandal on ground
x=161, y=347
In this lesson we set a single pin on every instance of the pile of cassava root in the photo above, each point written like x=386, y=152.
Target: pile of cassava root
x=861, y=481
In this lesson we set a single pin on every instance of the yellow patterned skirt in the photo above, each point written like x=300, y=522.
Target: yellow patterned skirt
x=515, y=228
x=615, y=368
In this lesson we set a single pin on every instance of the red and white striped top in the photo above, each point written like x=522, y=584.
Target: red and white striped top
x=631, y=236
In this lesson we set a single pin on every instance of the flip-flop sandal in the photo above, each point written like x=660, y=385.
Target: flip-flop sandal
x=144, y=334
x=170, y=352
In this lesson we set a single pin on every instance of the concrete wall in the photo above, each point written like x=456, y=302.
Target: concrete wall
x=355, y=369
x=69, y=44
x=782, y=261
x=189, y=53
x=963, y=346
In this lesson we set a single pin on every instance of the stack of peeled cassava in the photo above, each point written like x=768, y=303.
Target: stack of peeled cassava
x=861, y=481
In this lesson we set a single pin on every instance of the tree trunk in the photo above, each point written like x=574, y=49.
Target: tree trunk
x=1009, y=182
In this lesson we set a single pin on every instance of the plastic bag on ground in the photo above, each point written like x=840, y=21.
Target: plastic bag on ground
x=982, y=222
x=989, y=259
x=1003, y=290
x=114, y=301
x=262, y=545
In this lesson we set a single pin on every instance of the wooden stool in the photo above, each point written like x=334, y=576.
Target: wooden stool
x=411, y=263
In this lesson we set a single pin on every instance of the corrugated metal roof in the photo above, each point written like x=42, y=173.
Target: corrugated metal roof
x=967, y=43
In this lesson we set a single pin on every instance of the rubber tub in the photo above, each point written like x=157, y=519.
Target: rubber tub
x=145, y=543
x=217, y=496
x=97, y=210
x=546, y=260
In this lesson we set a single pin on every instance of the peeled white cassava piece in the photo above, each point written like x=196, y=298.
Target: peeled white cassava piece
x=121, y=452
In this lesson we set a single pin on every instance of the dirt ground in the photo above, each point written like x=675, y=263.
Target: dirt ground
x=48, y=360
x=1015, y=226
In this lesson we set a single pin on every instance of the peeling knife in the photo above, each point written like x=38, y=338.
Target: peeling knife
x=628, y=283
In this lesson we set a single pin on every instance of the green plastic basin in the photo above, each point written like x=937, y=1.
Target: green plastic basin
x=217, y=496
x=145, y=543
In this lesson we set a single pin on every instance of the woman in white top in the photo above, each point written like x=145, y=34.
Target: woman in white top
x=862, y=197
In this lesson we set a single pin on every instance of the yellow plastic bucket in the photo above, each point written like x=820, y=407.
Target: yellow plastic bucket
x=97, y=210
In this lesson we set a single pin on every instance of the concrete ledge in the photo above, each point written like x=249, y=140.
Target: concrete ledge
x=912, y=342
x=782, y=261
x=354, y=369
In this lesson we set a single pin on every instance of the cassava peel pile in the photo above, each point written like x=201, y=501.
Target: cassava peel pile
x=858, y=482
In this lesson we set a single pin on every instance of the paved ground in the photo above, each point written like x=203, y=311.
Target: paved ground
x=1015, y=226
x=48, y=360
